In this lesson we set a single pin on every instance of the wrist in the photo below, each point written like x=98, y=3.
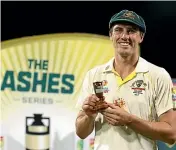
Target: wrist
x=90, y=116
x=129, y=119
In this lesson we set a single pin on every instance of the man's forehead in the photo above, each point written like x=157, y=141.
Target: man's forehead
x=125, y=25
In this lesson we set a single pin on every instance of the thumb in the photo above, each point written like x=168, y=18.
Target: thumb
x=113, y=106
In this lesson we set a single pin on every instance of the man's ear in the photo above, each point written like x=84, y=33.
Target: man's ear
x=142, y=36
x=110, y=35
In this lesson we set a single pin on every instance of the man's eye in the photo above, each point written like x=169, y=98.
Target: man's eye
x=131, y=31
x=116, y=29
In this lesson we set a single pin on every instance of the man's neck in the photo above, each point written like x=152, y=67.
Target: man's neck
x=125, y=65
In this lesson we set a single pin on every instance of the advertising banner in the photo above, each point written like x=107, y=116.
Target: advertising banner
x=41, y=77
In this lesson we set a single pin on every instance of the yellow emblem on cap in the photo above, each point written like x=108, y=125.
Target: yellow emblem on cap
x=129, y=14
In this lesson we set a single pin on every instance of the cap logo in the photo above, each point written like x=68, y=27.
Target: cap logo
x=128, y=14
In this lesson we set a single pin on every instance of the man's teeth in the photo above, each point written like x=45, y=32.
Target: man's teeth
x=125, y=44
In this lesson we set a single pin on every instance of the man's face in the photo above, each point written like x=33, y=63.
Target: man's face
x=126, y=39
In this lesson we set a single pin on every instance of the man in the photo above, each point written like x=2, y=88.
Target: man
x=138, y=107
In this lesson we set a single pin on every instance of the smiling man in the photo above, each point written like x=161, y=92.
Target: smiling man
x=137, y=108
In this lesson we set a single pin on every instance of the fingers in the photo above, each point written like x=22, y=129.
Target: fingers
x=88, y=107
x=94, y=98
x=110, y=111
x=113, y=106
x=102, y=106
x=110, y=115
x=92, y=102
x=111, y=121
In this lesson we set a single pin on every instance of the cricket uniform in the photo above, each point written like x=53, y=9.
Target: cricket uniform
x=146, y=93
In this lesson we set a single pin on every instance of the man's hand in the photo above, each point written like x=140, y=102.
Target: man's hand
x=90, y=106
x=116, y=116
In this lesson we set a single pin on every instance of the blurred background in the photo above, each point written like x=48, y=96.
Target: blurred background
x=21, y=19
x=27, y=19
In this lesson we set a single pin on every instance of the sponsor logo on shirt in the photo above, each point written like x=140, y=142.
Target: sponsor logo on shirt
x=138, y=87
x=105, y=87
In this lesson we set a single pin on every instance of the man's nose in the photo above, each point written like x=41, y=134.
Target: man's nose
x=125, y=35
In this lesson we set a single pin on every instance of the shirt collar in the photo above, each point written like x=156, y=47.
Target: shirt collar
x=142, y=66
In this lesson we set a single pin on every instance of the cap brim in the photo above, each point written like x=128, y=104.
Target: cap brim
x=128, y=21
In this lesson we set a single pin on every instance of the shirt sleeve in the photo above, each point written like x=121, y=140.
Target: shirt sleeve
x=85, y=91
x=164, y=85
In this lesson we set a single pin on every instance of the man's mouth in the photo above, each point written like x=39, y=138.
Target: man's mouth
x=124, y=43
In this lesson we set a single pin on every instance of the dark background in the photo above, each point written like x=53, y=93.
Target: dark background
x=20, y=19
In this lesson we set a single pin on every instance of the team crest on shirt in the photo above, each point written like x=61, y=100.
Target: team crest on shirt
x=105, y=87
x=119, y=102
x=138, y=87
